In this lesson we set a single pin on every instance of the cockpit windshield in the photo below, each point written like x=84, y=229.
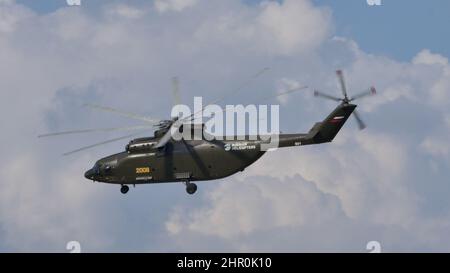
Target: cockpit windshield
x=96, y=168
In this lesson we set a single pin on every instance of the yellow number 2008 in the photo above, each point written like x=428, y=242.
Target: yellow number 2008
x=143, y=170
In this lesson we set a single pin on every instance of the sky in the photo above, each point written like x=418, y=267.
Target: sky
x=388, y=183
x=370, y=27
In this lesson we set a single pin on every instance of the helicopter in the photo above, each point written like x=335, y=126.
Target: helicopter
x=162, y=159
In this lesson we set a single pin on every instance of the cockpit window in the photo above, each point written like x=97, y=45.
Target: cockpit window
x=96, y=168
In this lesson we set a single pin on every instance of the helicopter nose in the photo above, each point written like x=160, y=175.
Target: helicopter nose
x=89, y=174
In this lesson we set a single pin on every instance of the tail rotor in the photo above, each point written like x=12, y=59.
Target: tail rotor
x=345, y=99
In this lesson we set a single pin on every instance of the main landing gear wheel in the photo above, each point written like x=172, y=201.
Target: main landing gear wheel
x=124, y=189
x=191, y=188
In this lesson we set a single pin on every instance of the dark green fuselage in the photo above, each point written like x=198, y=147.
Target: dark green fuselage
x=193, y=160
x=197, y=160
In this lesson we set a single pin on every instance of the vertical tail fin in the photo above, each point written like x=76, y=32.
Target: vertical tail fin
x=326, y=130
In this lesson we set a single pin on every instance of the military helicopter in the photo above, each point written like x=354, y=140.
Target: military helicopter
x=162, y=159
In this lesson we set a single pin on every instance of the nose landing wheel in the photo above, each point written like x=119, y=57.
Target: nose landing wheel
x=124, y=189
x=191, y=188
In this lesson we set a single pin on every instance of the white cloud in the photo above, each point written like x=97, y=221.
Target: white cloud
x=174, y=5
x=439, y=91
x=294, y=25
x=257, y=204
x=287, y=28
x=47, y=209
x=436, y=147
x=10, y=15
x=126, y=11
x=285, y=85
x=428, y=58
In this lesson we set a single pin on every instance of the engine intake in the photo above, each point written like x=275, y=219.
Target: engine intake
x=137, y=145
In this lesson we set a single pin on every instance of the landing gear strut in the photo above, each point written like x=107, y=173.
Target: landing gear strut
x=191, y=188
x=124, y=189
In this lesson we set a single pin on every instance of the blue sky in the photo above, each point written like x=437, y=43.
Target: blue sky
x=397, y=28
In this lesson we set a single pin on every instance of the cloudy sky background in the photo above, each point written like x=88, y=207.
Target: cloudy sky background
x=387, y=183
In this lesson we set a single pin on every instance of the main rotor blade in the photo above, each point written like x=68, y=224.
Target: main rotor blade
x=372, y=91
x=82, y=131
x=361, y=124
x=323, y=95
x=176, y=91
x=99, y=144
x=289, y=91
x=240, y=87
x=164, y=139
x=340, y=76
x=234, y=92
x=168, y=135
x=122, y=113
x=197, y=160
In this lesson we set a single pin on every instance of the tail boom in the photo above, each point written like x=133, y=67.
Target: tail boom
x=321, y=132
